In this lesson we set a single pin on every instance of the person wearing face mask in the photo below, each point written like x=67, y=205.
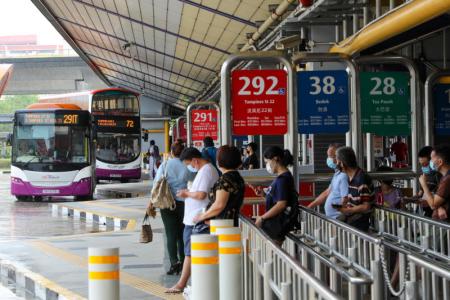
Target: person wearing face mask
x=440, y=201
x=251, y=161
x=177, y=177
x=281, y=197
x=227, y=194
x=356, y=207
x=195, y=200
x=433, y=177
x=336, y=191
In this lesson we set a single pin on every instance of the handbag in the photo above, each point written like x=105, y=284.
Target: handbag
x=161, y=196
x=146, y=231
x=200, y=228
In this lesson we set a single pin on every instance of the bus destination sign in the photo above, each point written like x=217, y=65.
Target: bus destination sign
x=124, y=123
x=48, y=118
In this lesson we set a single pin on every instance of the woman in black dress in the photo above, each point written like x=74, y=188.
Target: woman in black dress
x=227, y=194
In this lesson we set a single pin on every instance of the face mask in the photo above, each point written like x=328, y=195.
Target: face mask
x=269, y=168
x=192, y=169
x=426, y=170
x=433, y=166
x=331, y=164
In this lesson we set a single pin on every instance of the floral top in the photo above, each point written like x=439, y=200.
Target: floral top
x=232, y=183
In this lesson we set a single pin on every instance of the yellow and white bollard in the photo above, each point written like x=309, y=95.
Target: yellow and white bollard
x=230, y=263
x=205, y=267
x=104, y=274
x=227, y=223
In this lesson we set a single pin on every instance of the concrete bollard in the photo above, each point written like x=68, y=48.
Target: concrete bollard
x=205, y=267
x=220, y=224
x=104, y=273
x=230, y=263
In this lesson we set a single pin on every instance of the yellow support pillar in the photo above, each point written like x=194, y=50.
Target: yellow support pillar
x=166, y=136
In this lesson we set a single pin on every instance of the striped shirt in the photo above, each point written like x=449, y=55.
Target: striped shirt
x=360, y=189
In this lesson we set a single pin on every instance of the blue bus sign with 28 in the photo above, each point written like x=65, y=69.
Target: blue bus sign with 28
x=323, y=102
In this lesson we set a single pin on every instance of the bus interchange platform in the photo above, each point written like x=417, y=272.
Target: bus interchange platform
x=56, y=267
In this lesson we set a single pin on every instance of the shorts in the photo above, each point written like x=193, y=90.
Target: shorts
x=187, y=232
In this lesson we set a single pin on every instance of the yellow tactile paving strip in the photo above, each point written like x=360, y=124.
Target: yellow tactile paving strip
x=133, y=281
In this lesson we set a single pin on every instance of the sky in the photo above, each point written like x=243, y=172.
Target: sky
x=18, y=17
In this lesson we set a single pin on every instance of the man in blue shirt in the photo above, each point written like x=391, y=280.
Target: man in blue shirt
x=336, y=191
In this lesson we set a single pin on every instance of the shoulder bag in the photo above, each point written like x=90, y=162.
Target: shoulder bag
x=161, y=196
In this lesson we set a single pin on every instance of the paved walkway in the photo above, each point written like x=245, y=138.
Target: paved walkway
x=62, y=260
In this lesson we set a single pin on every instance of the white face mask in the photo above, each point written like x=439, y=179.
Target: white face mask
x=269, y=168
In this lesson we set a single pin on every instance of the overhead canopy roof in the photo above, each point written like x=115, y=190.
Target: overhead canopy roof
x=5, y=75
x=171, y=49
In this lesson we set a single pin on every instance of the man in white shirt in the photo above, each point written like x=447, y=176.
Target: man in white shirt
x=196, y=199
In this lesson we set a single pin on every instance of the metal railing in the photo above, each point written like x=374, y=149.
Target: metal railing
x=271, y=273
x=423, y=234
x=340, y=277
x=356, y=249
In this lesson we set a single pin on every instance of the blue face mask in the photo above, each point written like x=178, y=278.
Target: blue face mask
x=331, y=164
x=192, y=169
x=426, y=170
x=432, y=166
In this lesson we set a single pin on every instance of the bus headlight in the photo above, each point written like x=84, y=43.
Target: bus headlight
x=16, y=180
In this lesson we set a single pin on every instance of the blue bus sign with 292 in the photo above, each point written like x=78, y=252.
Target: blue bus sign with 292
x=323, y=102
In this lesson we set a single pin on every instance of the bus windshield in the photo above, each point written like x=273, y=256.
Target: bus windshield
x=50, y=144
x=115, y=104
x=117, y=147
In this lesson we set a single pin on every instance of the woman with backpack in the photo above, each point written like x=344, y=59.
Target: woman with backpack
x=281, y=196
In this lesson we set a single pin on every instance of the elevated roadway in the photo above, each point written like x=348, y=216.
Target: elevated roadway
x=50, y=75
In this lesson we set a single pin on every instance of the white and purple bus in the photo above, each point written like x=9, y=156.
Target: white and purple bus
x=51, y=152
x=117, y=124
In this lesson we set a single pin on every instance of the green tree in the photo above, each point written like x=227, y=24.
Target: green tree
x=9, y=104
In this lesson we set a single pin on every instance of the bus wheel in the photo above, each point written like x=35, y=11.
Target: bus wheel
x=23, y=198
x=37, y=199
x=84, y=198
x=124, y=180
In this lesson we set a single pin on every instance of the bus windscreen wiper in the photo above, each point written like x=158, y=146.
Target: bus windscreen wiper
x=26, y=163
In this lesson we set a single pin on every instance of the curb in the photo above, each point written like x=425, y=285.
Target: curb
x=34, y=284
x=110, y=223
x=119, y=194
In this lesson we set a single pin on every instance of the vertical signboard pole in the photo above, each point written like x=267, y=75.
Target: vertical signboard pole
x=416, y=120
x=225, y=100
x=429, y=112
x=189, y=120
x=354, y=124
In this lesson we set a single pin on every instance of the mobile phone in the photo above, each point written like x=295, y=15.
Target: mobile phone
x=336, y=206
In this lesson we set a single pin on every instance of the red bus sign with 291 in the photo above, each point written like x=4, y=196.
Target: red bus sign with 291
x=204, y=123
x=259, y=102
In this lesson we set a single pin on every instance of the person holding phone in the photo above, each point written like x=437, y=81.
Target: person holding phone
x=336, y=191
x=281, y=197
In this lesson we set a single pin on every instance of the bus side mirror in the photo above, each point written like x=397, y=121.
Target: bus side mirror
x=9, y=138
